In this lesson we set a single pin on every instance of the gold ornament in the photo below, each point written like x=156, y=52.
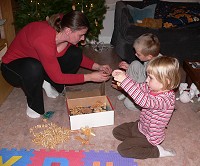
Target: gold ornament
x=73, y=7
x=91, y=6
x=96, y=23
x=82, y=7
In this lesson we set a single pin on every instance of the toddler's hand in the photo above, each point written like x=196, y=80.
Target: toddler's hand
x=118, y=75
x=123, y=65
x=115, y=86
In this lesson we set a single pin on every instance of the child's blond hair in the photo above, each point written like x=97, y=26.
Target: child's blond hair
x=147, y=44
x=166, y=70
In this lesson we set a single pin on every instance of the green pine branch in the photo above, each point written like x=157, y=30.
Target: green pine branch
x=35, y=10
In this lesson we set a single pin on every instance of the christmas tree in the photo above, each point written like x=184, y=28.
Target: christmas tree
x=35, y=10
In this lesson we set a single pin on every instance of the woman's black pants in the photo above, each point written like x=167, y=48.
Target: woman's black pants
x=29, y=74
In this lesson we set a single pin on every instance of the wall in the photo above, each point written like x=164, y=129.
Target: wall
x=108, y=22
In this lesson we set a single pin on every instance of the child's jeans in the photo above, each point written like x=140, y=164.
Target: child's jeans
x=134, y=143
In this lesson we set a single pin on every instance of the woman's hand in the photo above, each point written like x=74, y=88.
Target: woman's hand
x=119, y=75
x=123, y=65
x=105, y=68
x=97, y=76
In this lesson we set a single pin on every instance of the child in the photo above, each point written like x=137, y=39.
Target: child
x=142, y=139
x=147, y=46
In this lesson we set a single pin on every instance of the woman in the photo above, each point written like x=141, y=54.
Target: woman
x=45, y=54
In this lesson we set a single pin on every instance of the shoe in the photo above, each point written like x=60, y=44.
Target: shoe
x=129, y=104
x=121, y=97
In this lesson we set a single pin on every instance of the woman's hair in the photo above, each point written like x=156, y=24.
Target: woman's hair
x=166, y=70
x=148, y=44
x=75, y=20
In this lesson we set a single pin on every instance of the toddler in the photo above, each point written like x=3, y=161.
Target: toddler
x=142, y=139
x=147, y=46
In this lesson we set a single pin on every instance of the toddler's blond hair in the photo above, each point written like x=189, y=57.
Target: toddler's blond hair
x=166, y=70
x=147, y=44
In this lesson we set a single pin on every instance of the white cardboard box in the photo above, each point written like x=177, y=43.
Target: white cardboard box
x=91, y=119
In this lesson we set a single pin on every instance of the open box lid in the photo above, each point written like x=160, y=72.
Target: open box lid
x=73, y=94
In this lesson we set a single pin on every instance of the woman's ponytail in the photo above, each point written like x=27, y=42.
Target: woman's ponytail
x=54, y=21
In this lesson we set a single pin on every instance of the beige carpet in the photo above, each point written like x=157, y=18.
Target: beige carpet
x=183, y=133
